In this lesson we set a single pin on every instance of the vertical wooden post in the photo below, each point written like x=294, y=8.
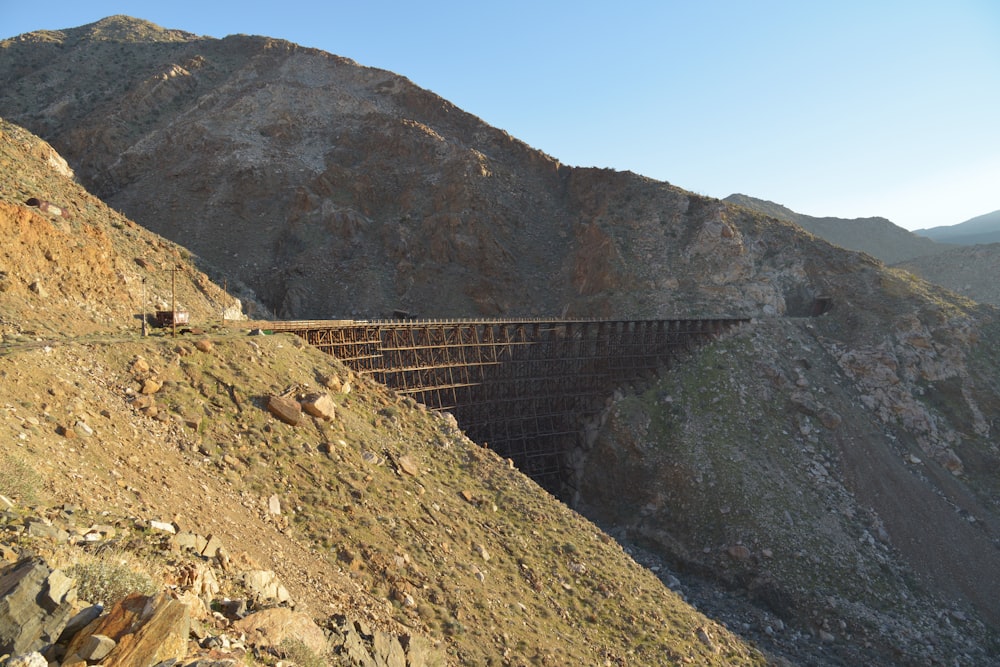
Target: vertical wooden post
x=173, y=302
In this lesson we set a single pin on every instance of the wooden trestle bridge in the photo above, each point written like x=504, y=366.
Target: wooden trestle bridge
x=522, y=387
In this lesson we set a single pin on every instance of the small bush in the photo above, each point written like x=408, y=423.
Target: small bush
x=18, y=480
x=110, y=577
x=300, y=654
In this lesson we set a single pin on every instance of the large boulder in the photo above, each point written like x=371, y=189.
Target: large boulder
x=285, y=409
x=35, y=604
x=269, y=627
x=145, y=630
x=264, y=587
x=320, y=406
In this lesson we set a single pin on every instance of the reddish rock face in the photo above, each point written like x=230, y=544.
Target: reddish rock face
x=91, y=270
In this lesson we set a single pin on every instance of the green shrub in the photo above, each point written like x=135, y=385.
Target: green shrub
x=109, y=577
x=300, y=654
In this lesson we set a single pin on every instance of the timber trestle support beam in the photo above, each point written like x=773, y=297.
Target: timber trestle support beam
x=522, y=387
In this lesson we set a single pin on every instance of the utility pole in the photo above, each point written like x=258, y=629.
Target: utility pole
x=173, y=302
x=144, y=307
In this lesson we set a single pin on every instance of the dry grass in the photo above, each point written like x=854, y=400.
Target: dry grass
x=18, y=479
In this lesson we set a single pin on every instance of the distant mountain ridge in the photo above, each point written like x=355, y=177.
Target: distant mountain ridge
x=981, y=229
x=876, y=236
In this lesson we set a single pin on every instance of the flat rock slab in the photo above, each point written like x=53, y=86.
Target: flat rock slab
x=285, y=409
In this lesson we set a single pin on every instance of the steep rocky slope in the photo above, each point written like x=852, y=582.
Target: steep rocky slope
x=876, y=236
x=439, y=549
x=381, y=515
x=968, y=270
x=825, y=485
x=831, y=505
x=68, y=258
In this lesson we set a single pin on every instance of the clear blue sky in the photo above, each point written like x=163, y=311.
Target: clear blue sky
x=845, y=108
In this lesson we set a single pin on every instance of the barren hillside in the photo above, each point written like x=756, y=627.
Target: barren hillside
x=292, y=169
x=69, y=259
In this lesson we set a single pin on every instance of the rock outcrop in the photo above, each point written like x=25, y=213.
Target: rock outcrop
x=35, y=604
x=42, y=621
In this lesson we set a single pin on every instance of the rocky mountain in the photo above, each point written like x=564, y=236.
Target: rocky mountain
x=821, y=480
x=876, y=236
x=969, y=270
x=333, y=189
x=982, y=229
x=966, y=270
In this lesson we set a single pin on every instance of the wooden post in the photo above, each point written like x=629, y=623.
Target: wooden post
x=173, y=302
